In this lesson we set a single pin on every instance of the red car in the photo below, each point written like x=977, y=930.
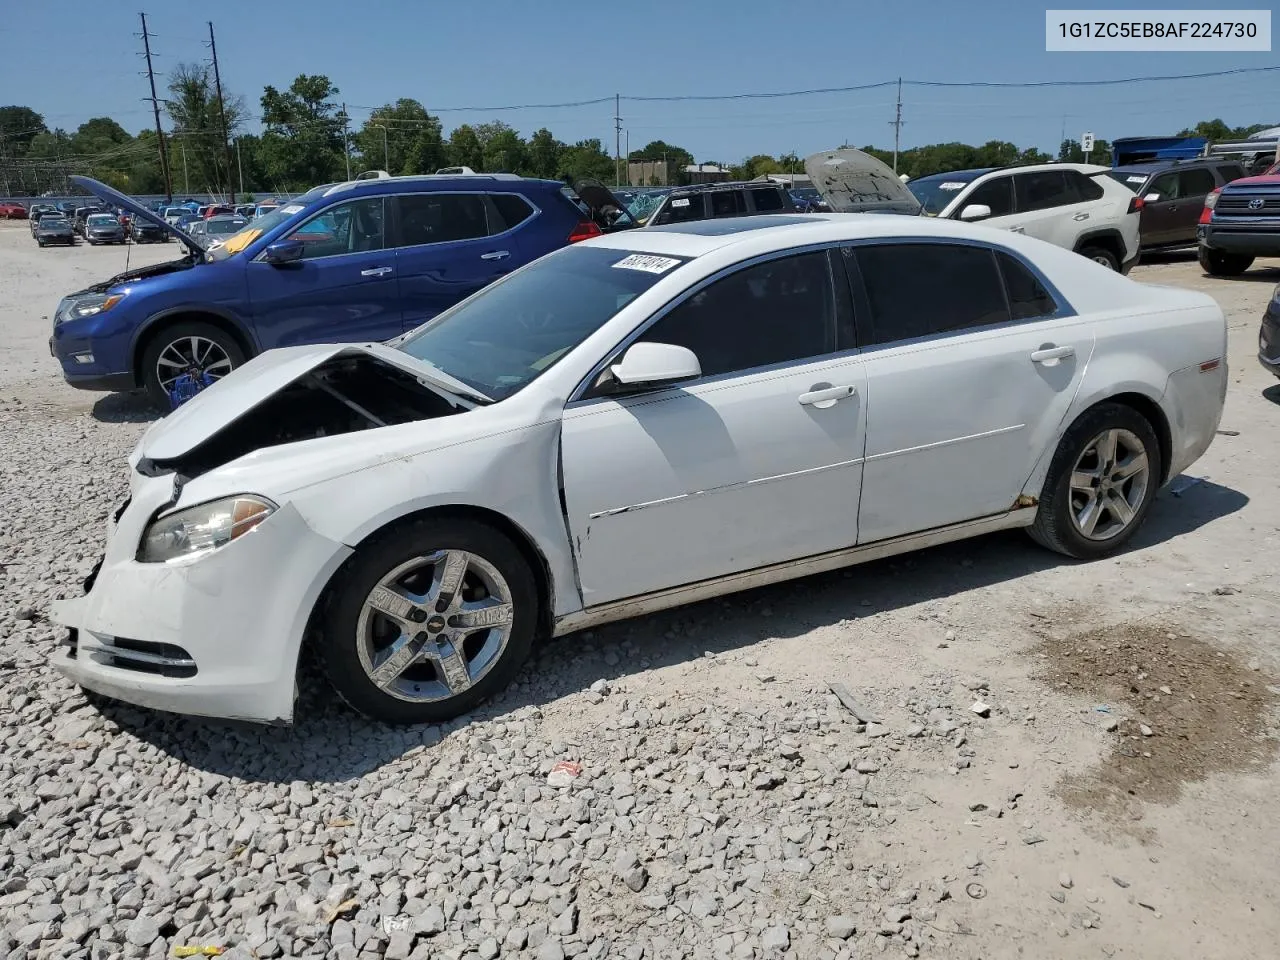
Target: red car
x=13, y=211
x=217, y=209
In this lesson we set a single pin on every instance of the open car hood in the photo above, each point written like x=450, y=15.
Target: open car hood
x=117, y=199
x=600, y=198
x=855, y=182
x=232, y=399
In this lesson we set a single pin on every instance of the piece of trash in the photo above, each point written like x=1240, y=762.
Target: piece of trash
x=1228, y=433
x=1147, y=906
x=1224, y=591
x=1102, y=708
x=339, y=822
x=1032, y=839
x=392, y=924
x=199, y=951
x=1186, y=485
x=852, y=705
x=976, y=890
x=564, y=773
x=346, y=906
x=1122, y=884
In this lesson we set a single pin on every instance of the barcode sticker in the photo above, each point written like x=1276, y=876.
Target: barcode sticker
x=646, y=262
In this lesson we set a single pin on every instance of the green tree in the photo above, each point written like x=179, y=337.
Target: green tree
x=18, y=127
x=197, y=125
x=543, y=154
x=465, y=149
x=586, y=158
x=302, y=138
x=656, y=151
x=1069, y=151
x=389, y=138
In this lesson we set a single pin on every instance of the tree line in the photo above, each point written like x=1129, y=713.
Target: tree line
x=307, y=139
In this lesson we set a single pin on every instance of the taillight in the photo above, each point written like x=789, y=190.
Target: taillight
x=1136, y=205
x=1211, y=201
x=585, y=231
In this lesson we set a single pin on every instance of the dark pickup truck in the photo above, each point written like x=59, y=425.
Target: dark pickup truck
x=1240, y=221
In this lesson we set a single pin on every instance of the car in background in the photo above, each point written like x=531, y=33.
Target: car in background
x=38, y=210
x=146, y=231
x=809, y=200
x=1173, y=194
x=714, y=201
x=82, y=214
x=245, y=210
x=362, y=261
x=218, y=229
x=69, y=208
x=54, y=230
x=262, y=209
x=103, y=228
x=12, y=211
x=174, y=215
x=1269, y=335
x=1240, y=221
x=1076, y=206
x=217, y=210
x=565, y=449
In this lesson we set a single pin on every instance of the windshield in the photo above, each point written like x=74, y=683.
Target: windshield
x=1129, y=178
x=222, y=227
x=102, y=220
x=47, y=221
x=176, y=212
x=935, y=192
x=509, y=334
x=251, y=231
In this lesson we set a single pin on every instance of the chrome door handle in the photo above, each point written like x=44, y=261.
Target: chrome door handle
x=1052, y=353
x=376, y=272
x=1081, y=216
x=828, y=395
x=495, y=255
x=1017, y=229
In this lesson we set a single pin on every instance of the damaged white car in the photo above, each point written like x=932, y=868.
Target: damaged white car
x=628, y=424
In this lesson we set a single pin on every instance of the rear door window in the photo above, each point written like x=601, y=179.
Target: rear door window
x=1042, y=190
x=684, y=209
x=920, y=289
x=441, y=218
x=727, y=203
x=766, y=201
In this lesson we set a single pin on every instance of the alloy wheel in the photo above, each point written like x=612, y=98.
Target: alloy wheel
x=434, y=626
x=1108, y=484
x=193, y=354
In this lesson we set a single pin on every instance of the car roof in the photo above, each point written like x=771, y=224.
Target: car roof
x=785, y=231
x=498, y=182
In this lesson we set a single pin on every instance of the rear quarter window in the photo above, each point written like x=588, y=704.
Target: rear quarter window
x=511, y=211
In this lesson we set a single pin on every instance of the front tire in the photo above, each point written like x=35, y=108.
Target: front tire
x=428, y=620
x=1218, y=263
x=191, y=344
x=1103, y=256
x=1100, y=485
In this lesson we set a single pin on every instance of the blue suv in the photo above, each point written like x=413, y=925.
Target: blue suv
x=360, y=261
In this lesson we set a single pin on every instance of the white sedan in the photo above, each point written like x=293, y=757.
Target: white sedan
x=639, y=421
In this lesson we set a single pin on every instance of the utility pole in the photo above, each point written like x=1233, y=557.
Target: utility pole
x=155, y=108
x=239, y=165
x=346, y=141
x=222, y=112
x=617, y=140
x=186, y=180
x=896, y=123
x=386, y=151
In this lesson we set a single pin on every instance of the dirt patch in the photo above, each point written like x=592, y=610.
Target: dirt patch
x=1182, y=710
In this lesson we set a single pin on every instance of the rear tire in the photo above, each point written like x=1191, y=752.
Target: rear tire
x=174, y=342
x=1119, y=485
x=356, y=640
x=1103, y=256
x=1218, y=263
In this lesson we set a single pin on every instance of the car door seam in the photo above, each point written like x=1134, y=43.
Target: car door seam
x=737, y=484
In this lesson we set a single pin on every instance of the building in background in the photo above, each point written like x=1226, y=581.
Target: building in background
x=705, y=173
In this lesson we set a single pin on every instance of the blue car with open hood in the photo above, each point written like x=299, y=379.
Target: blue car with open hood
x=360, y=261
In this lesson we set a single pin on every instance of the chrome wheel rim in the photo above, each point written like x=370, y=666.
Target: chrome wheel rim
x=1108, y=484
x=434, y=626
x=1105, y=261
x=196, y=355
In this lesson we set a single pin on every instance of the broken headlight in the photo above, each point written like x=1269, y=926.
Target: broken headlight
x=202, y=528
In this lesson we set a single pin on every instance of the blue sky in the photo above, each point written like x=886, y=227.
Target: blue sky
x=500, y=52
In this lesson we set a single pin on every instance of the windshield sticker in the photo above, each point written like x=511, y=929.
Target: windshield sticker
x=683, y=202
x=952, y=185
x=291, y=209
x=1134, y=179
x=241, y=240
x=646, y=262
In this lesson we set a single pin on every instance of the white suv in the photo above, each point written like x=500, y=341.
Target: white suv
x=1072, y=205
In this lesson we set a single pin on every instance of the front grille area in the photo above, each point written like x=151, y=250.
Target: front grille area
x=142, y=656
x=1244, y=205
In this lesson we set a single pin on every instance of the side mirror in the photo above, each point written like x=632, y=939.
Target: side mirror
x=975, y=211
x=283, y=251
x=1151, y=198
x=655, y=365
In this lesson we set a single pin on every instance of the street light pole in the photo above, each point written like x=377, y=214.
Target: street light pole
x=386, y=151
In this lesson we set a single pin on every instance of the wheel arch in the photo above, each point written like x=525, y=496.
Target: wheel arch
x=1108, y=238
x=524, y=542
x=157, y=323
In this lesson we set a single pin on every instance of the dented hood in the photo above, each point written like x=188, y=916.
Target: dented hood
x=117, y=199
x=230, y=398
x=855, y=182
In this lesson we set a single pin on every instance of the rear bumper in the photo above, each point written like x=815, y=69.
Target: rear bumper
x=1253, y=239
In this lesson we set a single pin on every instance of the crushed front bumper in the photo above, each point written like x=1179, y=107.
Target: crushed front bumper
x=213, y=636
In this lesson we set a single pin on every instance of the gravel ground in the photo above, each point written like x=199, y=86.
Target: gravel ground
x=1058, y=760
